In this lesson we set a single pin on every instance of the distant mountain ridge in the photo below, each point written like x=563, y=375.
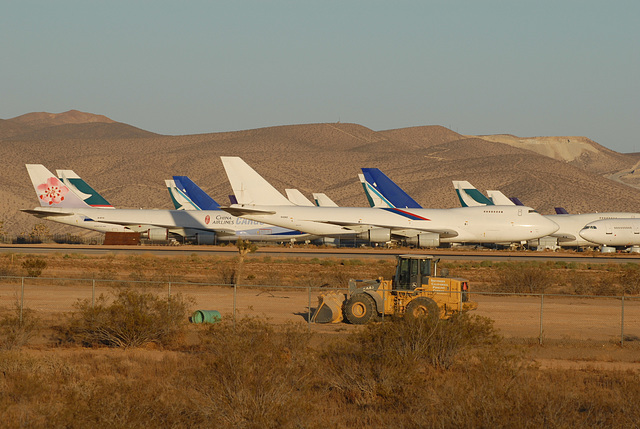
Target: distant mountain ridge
x=128, y=165
x=72, y=124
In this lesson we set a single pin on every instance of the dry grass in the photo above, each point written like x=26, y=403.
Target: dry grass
x=455, y=373
x=257, y=375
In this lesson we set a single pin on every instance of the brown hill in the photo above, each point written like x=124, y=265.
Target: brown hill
x=45, y=119
x=89, y=131
x=129, y=172
x=68, y=125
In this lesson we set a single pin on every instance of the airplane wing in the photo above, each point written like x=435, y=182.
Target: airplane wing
x=443, y=233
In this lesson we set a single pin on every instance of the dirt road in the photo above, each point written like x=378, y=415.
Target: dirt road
x=598, y=319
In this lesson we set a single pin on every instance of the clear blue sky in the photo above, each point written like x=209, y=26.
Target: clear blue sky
x=528, y=68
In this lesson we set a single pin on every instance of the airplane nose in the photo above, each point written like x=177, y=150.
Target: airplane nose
x=586, y=234
x=547, y=226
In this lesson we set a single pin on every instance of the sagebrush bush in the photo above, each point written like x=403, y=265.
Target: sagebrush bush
x=520, y=278
x=16, y=333
x=420, y=340
x=34, y=266
x=255, y=375
x=130, y=318
x=629, y=279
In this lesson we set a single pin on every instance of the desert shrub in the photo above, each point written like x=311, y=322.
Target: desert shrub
x=227, y=274
x=15, y=333
x=388, y=361
x=629, y=279
x=522, y=278
x=256, y=375
x=409, y=341
x=34, y=266
x=590, y=283
x=130, y=319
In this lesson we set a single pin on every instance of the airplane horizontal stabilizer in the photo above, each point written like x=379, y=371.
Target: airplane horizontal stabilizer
x=239, y=211
x=45, y=213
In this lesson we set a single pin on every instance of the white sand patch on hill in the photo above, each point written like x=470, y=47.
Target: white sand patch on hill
x=566, y=148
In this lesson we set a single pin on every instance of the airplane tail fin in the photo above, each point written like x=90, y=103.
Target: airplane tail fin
x=561, y=210
x=82, y=189
x=469, y=196
x=516, y=201
x=195, y=194
x=297, y=197
x=50, y=190
x=249, y=187
x=178, y=198
x=322, y=200
x=383, y=192
x=499, y=199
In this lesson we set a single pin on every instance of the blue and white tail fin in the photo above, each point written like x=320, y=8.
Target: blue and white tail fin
x=51, y=191
x=469, y=196
x=82, y=189
x=195, y=194
x=297, y=198
x=178, y=198
x=249, y=187
x=373, y=197
x=322, y=200
x=383, y=192
x=499, y=199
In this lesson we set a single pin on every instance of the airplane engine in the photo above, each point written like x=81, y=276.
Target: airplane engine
x=326, y=241
x=205, y=238
x=376, y=235
x=156, y=234
x=425, y=239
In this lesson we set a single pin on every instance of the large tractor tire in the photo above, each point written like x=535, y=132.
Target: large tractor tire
x=360, y=308
x=422, y=307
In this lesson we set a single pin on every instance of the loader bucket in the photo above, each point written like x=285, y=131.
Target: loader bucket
x=329, y=308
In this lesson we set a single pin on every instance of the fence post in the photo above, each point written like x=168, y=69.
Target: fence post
x=622, y=321
x=169, y=299
x=541, y=312
x=235, y=288
x=309, y=307
x=21, y=299
x=93, y=294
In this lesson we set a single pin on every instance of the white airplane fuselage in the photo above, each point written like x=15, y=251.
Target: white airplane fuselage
x=227, y=227
x=494, y=224
x=613, y=232
x=570, y=226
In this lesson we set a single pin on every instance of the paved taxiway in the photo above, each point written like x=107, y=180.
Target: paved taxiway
x=301, y=252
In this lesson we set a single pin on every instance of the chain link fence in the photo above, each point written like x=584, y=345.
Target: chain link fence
x=538, y=317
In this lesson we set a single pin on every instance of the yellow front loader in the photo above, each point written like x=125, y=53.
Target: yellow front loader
x=415, y=291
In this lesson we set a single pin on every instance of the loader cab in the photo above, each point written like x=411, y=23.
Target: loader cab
x=413, y=271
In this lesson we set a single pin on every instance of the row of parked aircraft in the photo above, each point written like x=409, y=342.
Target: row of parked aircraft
x=260, y=212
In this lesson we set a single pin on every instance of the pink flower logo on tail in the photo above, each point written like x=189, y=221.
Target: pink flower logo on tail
x=53, y=191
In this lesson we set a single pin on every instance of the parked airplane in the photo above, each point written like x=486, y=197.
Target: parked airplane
x=621, y=232
x=58, y=203
x=258, y=200
x=570, y=226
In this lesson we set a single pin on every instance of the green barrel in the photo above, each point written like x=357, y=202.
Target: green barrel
x=206, y=316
